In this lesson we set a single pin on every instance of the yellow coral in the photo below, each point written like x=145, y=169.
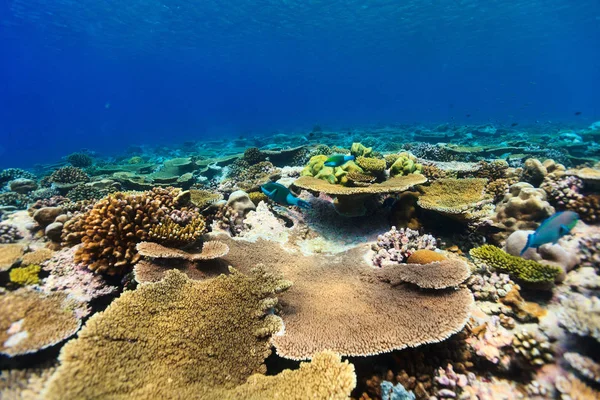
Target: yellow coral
x=257, y=197
x=169, y=232
x=358, y=150
x=25, y=275
x=371, y=165
x=405, y=164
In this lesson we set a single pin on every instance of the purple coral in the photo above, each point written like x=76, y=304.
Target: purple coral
x=395, y=246
x=564, y=191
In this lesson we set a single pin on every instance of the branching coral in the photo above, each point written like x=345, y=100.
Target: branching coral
x=13, y=199
x=10, y=174
x=31, y=321
x=525, y=270
x=396, y=246
x=69, y=175
x=169, y=232
x=84, y=192
x=168, y=348
x=112, y=228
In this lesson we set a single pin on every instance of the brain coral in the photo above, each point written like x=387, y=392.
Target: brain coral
x=186, y=339
x=340, y=304
x=31, y=321
x=112, y=228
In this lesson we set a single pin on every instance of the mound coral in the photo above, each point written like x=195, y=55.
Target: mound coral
x=396, y=246
x=115, y=224
x=359, y=150
x=527, y=271
x=338, y=303
x=405, y=164
x=79, y=160
x=25, y=275
x=316, y=168
x=156, y=337
x=462, y=199
x=31, y=321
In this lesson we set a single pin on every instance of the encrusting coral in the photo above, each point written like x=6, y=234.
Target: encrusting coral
x=157, y=337
x=23, y=276
x=524, y=270
x=31, y=321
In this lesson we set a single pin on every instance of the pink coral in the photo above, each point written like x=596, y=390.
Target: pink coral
x=492, y=342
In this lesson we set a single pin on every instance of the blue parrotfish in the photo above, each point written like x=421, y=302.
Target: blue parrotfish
x=552, y=229
x=282, y=195
x=337, y=159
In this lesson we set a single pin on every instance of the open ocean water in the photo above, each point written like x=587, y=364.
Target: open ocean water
x=286, y=199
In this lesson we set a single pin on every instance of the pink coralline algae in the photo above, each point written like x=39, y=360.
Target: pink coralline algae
x=395, y=246
x=76, y=280
x=492, y=342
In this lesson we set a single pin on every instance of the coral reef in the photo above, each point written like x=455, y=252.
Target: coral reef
x=9, y=234
x=405, y=164
x=527, y=271
x=585, y=366
x=23, y=276
x=31, y=321
x=395, y=246
x=79, y=160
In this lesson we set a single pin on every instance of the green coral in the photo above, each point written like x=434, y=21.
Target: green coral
x=316, y=168
x=371, y=165
x=28, y=275
x=525, y=270
x=405, y=164
x=135, y=160
x=358, y=150
x=390, y=159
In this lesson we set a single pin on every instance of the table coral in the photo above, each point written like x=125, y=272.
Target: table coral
x=158, y=338
x=31, y=321
x=527, y=271
x=209, y=251
x=434, y=275
x=462, y=199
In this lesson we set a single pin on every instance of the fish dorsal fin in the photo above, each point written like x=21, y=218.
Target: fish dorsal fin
x=563, y=230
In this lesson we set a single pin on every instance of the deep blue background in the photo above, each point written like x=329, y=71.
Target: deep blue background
x=102, y=75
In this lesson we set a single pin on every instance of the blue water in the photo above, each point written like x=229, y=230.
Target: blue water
x=104, y=74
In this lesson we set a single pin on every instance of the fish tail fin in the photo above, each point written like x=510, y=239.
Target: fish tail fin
x=303, y=204
x=528, y=245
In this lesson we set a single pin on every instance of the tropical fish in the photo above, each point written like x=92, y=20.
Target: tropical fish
x=282, y=195
x=552, y=229
x=337, y=159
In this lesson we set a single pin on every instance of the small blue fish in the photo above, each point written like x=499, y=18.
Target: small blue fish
x=282, y=195
x=337, y=159
x=552, y=229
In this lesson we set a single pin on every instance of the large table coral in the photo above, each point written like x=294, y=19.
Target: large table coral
x=341, y=303
x=187, y=339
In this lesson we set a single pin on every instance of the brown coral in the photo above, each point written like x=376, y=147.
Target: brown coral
x=37, y=257
x=9, y=255
x=435, y=275
x=178, y=339
x=462, y=199
x=169, y=232
x=112, y=228
x=340, y=304
x=204, y=198
x=425, y=256
x=210, y=250
x=31, y=321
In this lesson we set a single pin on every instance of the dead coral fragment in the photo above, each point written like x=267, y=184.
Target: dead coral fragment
x=210, y=250
x=435, y=275
x=176, y=338
x=31, y=321
x=527, y=271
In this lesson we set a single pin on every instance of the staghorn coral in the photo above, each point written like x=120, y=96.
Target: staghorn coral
x=580, y=315
x=24, y=276
x=115, y=224
x=585, y=366
x=338, y=303
x=79, y=160
x=462, y=199
x=9, y=234
x=210, y=250
x=10, y=254
x=396, y=246
x=31, y=321
x=174, y=351
x=529, y=271
x=433, y=275
x=69, y=175
x=170, y=233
